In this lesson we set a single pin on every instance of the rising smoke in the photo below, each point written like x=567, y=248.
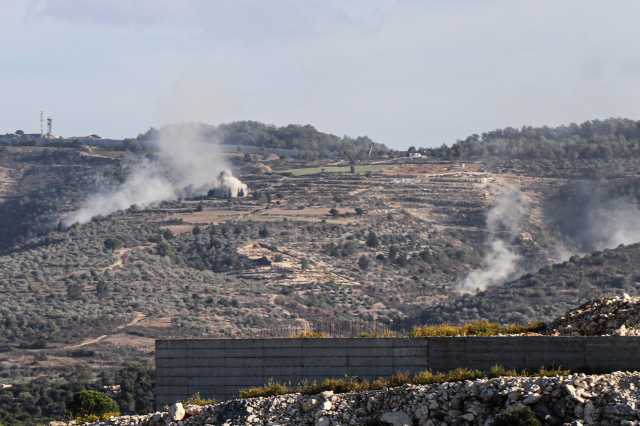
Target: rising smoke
x=504, y=221
x=183, y=163
x=584, y=216
x=593, y=215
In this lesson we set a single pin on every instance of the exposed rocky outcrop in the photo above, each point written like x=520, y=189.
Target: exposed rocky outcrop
x=619, y=316
x=610, y=399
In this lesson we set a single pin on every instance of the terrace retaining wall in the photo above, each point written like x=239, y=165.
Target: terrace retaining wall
x=219, y=368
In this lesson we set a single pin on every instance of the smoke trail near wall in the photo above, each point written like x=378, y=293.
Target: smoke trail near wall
x=504, y=221
x=184, y=162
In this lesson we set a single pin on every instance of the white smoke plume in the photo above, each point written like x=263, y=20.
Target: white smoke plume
x=503, y=224
x=183, y=160
x=614, y=223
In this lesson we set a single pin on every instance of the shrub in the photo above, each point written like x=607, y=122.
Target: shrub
x=356, y=384
x=112, y=244
x=89, y=402
x=270, y=389
x=518, y=416
x=363, y=262
x=372, y=239
x=196, y=399
x=474, y=328
x=309, y=334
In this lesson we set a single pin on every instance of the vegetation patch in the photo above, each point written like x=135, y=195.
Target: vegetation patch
x=357, y=384
x=358, y=169
x=475, y=328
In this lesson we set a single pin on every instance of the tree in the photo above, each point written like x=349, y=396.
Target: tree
x=363, y=262
x=334, y=212
x=74, y=291
x=263, y=232
x=113, y=244
x=102, y=290
x=393, y=252
x=372, y=239
x=89, y=402
x=359, y=211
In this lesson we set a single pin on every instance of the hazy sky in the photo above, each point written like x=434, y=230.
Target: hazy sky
x=403, y=72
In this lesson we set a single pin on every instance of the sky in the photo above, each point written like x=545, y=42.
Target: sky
x=403, y=72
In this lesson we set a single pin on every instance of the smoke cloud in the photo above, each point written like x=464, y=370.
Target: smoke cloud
x=615, y=223
x=183, y=162
x=593, y=215
x=504, y=222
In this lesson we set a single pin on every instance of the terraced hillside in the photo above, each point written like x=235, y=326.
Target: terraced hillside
x=378, y=246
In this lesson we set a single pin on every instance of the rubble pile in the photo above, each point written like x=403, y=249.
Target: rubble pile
x=613, y=316
x=578, y=399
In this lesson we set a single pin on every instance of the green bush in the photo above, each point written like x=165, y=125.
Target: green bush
x=113, y=244
x=518, y=416
x=92, y=403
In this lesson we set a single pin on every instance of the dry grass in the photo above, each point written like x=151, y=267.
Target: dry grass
x=474, y=328
x=426, y=377
x=196, y=399
x=309, y=334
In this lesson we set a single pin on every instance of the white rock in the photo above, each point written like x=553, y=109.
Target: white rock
x=176, y=411
x=193, y=410
x=326, y=394
x=323, y=421
x=468, y=417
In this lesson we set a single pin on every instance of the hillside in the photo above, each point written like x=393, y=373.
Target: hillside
x=592, y=149
x=338, y=247
x=296, y=141
x=548, y=293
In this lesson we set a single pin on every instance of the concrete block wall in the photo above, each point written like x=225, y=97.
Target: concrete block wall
x=219, y=368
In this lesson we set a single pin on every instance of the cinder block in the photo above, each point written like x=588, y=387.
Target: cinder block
x=386, y=351
x=207, y=353
x=166, y=381
x=243, y=362
x=206, y=362
x=243, y=353
x=371, y=371
x=371, y=361
x=411, y=351
x=293, y=351
x=326, y=361
x=205, y=344
x=284, y=370
x=231, y=344
x=281, y=361
x=327, y=351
